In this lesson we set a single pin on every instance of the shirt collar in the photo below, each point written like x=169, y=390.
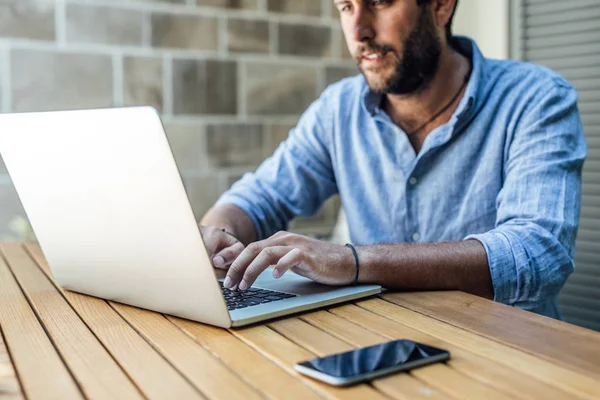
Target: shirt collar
x=371, y=101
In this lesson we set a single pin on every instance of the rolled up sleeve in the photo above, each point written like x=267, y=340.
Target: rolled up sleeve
x=294, y=181
x=531, y=249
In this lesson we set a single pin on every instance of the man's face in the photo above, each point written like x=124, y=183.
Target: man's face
x=395, y=43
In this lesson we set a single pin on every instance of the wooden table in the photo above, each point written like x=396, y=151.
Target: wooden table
x=63, y=345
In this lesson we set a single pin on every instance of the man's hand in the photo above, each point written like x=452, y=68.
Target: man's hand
x=223, y=247
x=323, y=262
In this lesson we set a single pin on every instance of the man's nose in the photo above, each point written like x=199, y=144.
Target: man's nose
x=363, y=26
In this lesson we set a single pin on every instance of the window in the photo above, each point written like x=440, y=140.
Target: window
x=565, y=36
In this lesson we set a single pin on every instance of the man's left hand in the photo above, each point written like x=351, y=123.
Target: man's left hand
x=323, y=262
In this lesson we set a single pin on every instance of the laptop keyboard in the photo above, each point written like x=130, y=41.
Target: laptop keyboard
x=237, y=299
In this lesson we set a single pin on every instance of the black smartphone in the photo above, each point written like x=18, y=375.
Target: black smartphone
x=370, y=362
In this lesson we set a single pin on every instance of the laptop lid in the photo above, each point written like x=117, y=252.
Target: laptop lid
x=108, y=206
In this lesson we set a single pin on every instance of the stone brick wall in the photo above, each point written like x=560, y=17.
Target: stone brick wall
x=230, y=77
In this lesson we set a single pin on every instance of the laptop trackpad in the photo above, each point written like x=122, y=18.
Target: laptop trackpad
x=291, y=283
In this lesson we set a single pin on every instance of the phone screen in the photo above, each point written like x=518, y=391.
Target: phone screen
x=367, y=360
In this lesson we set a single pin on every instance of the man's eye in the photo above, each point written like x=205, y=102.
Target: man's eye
x=379, y=2
x=344, y=7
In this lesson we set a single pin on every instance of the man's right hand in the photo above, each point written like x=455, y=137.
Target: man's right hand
x=223, y=248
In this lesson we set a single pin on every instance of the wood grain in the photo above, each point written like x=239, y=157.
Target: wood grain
x=285, y=353
x=555, y=375
x=322, y=344
x=513, y=383
x=155, y=377
x=563, y=343
x=206, y=372
x=110, y=350
x=42, y=372
x=78, y=346
x=438, y=376
x=9, y=384
x=262, y=374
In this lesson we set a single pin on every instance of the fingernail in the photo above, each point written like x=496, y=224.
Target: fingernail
x=227, y=282
x=218, y=261
x=276, y=274
x=243, y=285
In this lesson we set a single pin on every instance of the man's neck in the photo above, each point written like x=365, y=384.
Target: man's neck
x=411, y=111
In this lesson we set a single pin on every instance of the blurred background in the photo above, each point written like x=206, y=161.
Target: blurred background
x=231, y=77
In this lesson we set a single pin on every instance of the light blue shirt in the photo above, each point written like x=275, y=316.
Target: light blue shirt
x=505, y=170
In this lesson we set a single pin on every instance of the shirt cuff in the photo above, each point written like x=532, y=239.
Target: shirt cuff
x=501, y=262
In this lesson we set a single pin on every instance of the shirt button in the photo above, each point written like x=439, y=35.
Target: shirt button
x=413, y=181
x=416, y=236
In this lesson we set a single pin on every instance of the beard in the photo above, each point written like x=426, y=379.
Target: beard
x=417, y=66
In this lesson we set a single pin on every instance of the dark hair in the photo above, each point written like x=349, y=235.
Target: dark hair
x=421, y=3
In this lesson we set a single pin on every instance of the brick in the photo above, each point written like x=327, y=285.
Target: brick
x=279, y=89
x=107, y=25
x=56, y=81
x=275, y=134
x=185, y=31
x=204, y=87
x=188, y=144
x=203, y=192
x=235, y=144
x=302, y=7
x=146, y=1
x=322, y=223
x=335, y=13
x=304, y=40
x=233, y=4
x=27, y=19
x=335, y=74
x=143, y=81
x=232, y=179
x=250, y=36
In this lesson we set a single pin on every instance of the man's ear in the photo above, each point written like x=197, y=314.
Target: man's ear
x=442, y=11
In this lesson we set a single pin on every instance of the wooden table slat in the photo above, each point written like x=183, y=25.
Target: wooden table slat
x=40, y=368
x=59, y=344
x=322, y=344
x=10, y=389
x=513, y=383
x=155, y=377
x=285, y=353
x=497, y=321
x=402, y=385
x=207, y=373
x=438, y=376
x=79, y=348
x=263, y=374
x=551, y=373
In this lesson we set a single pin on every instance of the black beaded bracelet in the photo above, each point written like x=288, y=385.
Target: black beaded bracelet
x=355, y=259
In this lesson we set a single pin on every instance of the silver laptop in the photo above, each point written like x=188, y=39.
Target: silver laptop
x=109, y=209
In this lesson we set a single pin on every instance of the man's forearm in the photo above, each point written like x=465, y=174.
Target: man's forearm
x=436, y=266
x=234, y=220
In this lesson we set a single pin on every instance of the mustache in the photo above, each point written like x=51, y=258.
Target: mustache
x=373, y=48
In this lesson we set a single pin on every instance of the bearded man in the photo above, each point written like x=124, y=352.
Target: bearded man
x=455, y=172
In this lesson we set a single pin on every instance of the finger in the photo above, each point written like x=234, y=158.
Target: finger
x=215, y=239
x=239, y=265
x=291, y=259
x=268, y=256
x=225, y=257
x=210, y=238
